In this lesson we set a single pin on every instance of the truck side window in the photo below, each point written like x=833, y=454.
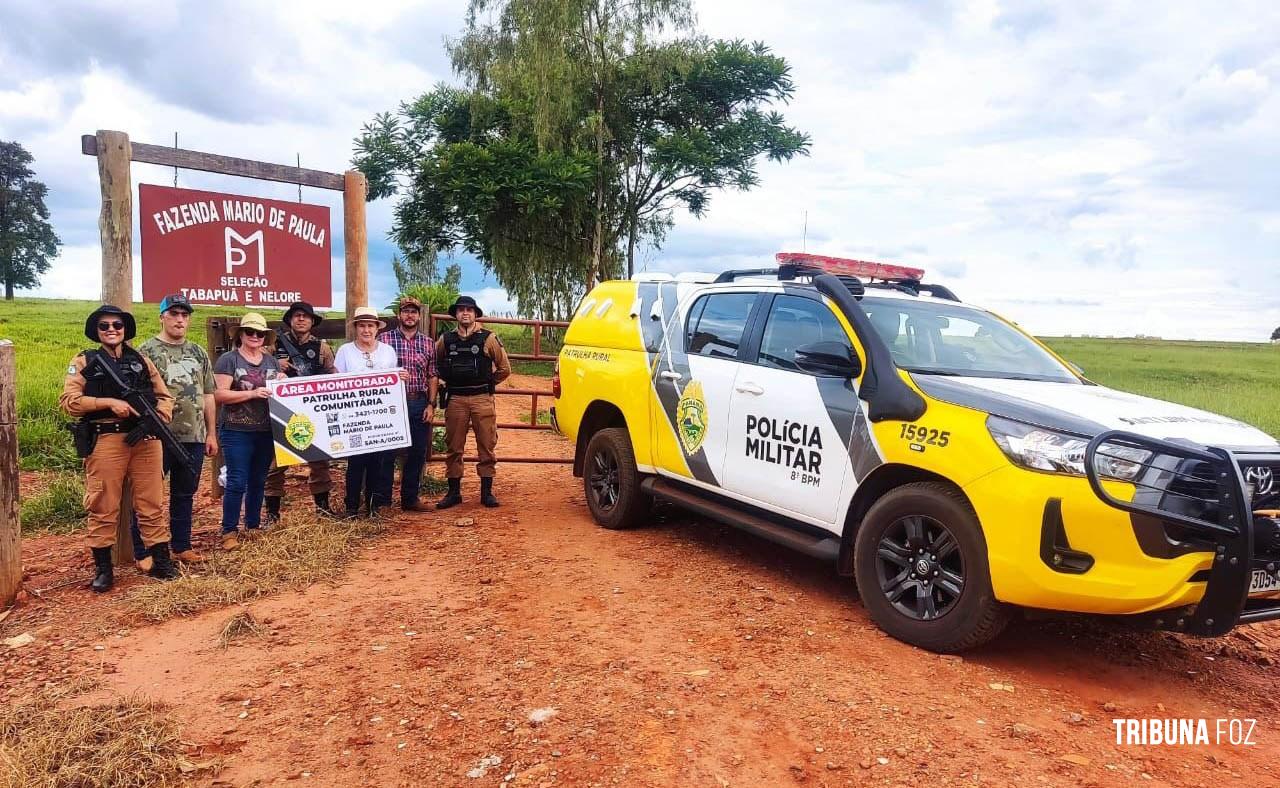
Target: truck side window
x=794, y=322
x=717, y=323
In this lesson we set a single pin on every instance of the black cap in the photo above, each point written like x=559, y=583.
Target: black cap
x=305, y=308
x=465, y=301
x=91, y=324
x=176, y=300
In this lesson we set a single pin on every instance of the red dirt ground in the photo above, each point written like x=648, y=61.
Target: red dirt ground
x=682, y=653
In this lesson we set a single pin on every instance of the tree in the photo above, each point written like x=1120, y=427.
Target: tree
x=27, y=241
x=552, y=172
x=689, y=120
x=1275, y=335
x=561, y=58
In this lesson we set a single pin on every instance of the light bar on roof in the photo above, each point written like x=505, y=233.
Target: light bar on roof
x=849, y=267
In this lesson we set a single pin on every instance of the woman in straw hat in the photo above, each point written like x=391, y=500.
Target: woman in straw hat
x=244, y=424
x=366, y=473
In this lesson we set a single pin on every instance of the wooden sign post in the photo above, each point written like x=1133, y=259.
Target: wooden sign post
x=10, y=524
x=115, y=152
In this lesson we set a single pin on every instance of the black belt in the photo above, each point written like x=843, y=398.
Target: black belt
x=419, y=395
x=108, y=427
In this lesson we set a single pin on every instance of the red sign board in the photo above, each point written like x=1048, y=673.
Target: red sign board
x=229, y=249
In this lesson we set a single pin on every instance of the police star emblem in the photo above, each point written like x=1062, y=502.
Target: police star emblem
x=299, y=431
x=691, y=417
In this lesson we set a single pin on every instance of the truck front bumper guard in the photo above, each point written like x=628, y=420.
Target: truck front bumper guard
x=1201, y=491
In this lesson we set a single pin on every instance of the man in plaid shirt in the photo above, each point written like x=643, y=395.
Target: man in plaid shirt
x=416, y=352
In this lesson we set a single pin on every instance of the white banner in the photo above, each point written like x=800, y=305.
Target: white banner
x=328, y=417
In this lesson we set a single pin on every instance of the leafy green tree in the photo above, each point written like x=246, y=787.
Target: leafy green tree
x=690, y=119
x=473, y=177
x=561, y=59
x=27, y=241
x=574, y=141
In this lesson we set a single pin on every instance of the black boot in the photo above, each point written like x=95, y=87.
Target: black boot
x=486, y=492
x=103, y=578
x=454, y=496
x=322, y=503
x=273, y=509
x=162, y=566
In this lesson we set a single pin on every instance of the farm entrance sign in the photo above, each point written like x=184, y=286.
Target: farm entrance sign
x=229, y=249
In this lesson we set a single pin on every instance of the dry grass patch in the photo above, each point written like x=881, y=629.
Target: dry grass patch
x=302, y=549
x=242, y=624
x=130, y=742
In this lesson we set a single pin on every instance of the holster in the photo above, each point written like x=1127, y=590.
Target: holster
x=84, y=437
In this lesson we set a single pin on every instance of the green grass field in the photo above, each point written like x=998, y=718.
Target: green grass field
x=1238, y=379
x=1235, y=379
x=48, y=334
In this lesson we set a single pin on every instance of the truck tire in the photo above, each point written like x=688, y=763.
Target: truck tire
x=920, y=562
x=611, y=481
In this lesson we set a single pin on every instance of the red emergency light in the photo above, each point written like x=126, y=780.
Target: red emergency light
x=864, y=269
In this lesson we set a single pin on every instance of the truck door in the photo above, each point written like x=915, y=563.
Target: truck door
x=795, y=434
x=693, y=379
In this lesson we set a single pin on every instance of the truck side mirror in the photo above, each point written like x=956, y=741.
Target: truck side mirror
x=829, y=359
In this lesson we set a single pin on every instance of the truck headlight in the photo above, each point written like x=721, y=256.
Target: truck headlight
x=1043, y=449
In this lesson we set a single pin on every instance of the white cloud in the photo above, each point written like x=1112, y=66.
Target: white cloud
x=1084, y=166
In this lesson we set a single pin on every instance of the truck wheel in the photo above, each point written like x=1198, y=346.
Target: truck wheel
x=611, y=481
x=920, y=562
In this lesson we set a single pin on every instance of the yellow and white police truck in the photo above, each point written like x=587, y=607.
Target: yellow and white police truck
x=954, y=466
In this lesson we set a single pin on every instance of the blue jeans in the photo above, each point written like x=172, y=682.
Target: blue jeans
x=248, y=456
x=368, y=480
x=415, y=458
x=182, y=491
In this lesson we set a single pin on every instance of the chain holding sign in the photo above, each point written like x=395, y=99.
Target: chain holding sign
x=329, y=417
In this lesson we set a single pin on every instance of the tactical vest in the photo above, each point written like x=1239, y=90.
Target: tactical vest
x=464, y=366
x=133, y=370
x=309, y=363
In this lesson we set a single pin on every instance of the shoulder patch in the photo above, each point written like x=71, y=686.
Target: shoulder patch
x=71, y=369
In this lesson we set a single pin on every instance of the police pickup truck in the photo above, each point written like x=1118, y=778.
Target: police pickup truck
x=954, y=466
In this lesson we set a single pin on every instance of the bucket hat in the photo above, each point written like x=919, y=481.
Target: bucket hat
x=465, y=301
x=305, y=308
x=91, y=323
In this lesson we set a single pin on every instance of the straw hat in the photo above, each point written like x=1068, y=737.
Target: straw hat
x=367, y=314
x=255, y=321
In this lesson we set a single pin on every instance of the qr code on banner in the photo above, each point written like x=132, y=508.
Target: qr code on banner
x=356, y=441
x=331, y=418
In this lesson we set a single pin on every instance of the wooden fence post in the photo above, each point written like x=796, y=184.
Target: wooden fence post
x=356, y=242
x=115, y=225
x=115, y=221
x=10, y=521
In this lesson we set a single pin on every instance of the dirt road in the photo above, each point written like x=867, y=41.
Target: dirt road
x=682, y=653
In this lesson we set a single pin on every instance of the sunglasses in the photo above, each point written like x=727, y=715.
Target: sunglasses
x=110, y=325
x=368, y=360
x=253, y=332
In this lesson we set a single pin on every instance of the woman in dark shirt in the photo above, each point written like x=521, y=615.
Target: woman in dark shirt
x=244, y=424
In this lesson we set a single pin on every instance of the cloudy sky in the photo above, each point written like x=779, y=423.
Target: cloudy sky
x=1082, y=167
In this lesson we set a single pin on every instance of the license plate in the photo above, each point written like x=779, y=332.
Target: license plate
x=1263, y=582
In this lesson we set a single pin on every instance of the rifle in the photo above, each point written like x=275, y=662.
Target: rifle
x=149, y=421
x=301, y=366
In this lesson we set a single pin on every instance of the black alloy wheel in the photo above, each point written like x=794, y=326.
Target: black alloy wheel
x=602, y=478
x=920, y=563
x=611, y=481
x=920, y=568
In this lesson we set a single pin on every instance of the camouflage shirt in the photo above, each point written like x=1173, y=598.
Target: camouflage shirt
x=187, y=372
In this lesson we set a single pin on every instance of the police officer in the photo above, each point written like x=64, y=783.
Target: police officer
x=470, y=361
x=89, y=394
x=301, y=354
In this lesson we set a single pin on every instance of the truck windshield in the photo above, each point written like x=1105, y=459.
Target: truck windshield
x=934, y=338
